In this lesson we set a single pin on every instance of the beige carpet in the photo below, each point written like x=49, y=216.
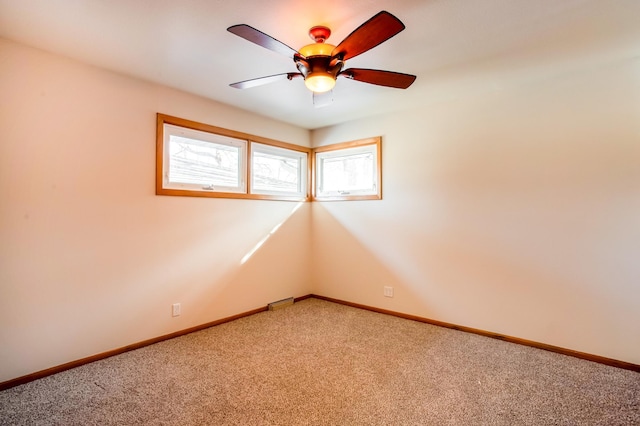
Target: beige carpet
x=320, y=363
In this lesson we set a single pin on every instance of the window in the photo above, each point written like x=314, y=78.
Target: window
x=199, y=160
x=277, y=170
x=195, y=159
x=348, y=171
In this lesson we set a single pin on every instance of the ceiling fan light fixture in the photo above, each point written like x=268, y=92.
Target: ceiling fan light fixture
x=319, y=82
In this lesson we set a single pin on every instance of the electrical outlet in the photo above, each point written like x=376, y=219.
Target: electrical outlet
x=388, y=291
x=176, y=310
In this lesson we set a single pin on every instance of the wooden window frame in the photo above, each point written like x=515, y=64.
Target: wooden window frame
x=162, y=119
x=377, y=141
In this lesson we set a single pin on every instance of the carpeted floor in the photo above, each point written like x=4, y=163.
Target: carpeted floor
x=320, y=363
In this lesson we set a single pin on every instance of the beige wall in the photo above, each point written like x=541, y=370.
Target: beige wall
x=90, y=258
x=516, y=212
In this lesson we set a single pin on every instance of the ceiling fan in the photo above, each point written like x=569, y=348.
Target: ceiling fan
x=320, y=64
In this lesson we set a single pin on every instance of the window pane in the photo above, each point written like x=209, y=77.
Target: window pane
x=272, y=172
x=348, y=173
x=278, y=170
x=203, y=163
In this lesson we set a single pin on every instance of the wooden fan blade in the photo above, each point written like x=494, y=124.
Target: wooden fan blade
x=376, y=30
x=261, y=39
x=265, y=80
x=379, y=77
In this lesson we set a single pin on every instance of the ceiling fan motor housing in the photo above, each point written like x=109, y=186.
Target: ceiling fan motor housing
x=319, y=64
x=315, y=63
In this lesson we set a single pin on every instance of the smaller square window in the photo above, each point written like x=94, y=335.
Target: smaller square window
x=348, y=171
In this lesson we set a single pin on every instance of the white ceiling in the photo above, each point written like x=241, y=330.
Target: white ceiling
x=455, y=47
